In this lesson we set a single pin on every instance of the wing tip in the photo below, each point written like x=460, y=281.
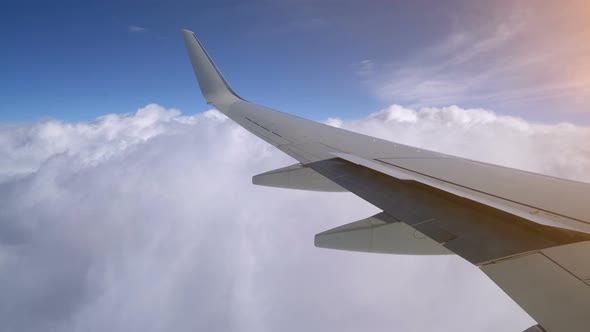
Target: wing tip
x=213, y=86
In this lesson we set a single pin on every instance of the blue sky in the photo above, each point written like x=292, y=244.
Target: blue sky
x=76, y=60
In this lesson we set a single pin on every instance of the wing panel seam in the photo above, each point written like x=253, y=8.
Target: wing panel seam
x=485, y=193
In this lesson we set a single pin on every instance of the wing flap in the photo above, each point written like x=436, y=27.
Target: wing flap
x=544, y=284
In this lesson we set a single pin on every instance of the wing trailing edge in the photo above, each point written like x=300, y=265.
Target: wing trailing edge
x=459, y=187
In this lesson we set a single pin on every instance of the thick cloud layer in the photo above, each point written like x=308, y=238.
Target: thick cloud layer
x=148, y=221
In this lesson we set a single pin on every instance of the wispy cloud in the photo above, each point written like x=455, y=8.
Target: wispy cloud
x=136, y=28
x=529, y=57
x=448, y=72
x=365, y=67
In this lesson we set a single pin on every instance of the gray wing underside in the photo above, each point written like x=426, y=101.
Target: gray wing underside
x=504, y=220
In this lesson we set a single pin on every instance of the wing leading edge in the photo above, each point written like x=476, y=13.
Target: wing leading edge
x=504, y=220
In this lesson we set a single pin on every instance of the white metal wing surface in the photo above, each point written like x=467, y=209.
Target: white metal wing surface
x=528, y=232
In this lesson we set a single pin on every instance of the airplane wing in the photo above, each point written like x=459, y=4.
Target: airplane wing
x=529, y=233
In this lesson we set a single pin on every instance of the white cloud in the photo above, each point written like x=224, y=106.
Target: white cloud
x=135, y=28
x=148, y=221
